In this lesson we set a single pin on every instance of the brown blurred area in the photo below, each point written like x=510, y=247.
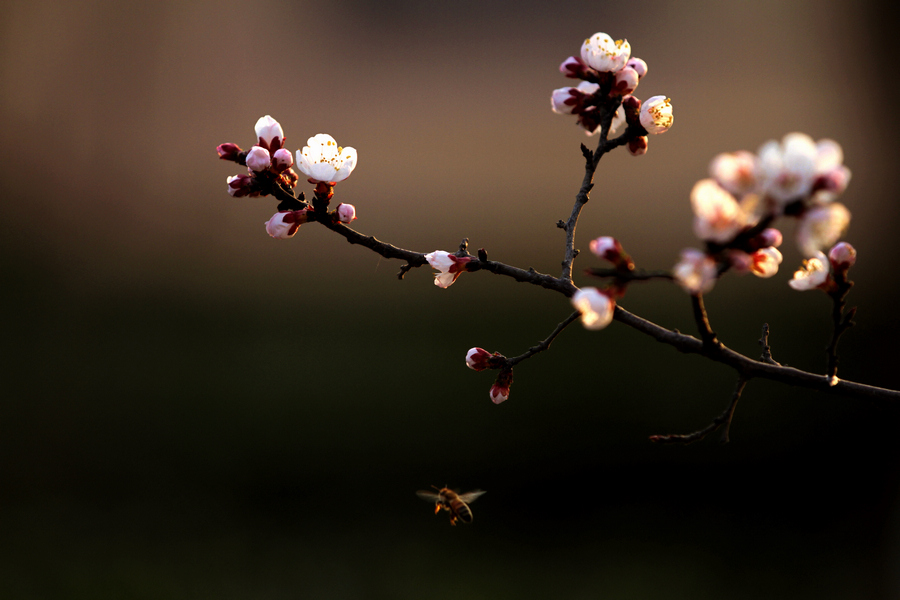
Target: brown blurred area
x=192, y=409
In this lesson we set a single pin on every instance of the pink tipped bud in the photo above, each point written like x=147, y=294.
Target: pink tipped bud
x=638, y=145
x=632, y=107
x=258, y=159
x=626, y=81
x=449, y=267
x=500, y=390
x=240, y=186
x=477, y=359
x=228, y=151
x=638, y=65
x=842, y=256
x=765, y=262
x=285, y=223
x=282, y=159
x=269, y=132
x=346, y=213
x=769, y=237
x=573, y=68
x=610, y=249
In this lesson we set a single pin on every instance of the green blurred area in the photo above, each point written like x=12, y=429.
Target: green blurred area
x=193, y=410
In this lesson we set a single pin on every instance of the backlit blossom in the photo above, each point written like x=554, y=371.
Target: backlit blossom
x=596, y=307
x=735, y=171
x=323, y=160
x=717, y=215
x=449, y=267
x=814, y=273
x=842, y=255
x=604, y=54
x=821, y=227
x=284, y=223
x=656, y=114
x=786, y=169
x=765, y=262
x=695, y=272
x=269, y=133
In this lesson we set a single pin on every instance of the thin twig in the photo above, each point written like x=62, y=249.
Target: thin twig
x=546, y=343
x=766, y=355
x=723, y=421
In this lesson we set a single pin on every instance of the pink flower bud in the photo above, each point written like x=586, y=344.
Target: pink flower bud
x=269, y=133
x=842, y=256
x=285, y=223
x=610, y=249
x=346, y=213
x=258, y=159
x=769, y=237
x=573, y=67
x=596, y=307
x=564, y=101
x=626, y=81
x=282, y=160
x=240, y=186
x=477, y=359
x=638, y=65
x=638, y=145
x=656, y=114
x=228, y=151
x=499, y=394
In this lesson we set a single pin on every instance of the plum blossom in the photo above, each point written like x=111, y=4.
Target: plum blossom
x=240, y=186
x=448, y=265
x=269, y=133
x=570, y=100
x=696, y=272
x=639, y=66
x=322, y=160
x=285, y=223
x=604, y=54
x=596, y=307
x=626, y=81
x=258, y=159
x=813, y=274
x=717, y=215
x=821, y=226
x=786, y=169
x=656, y=114
x=346, y=213
x=282, y=159
x=842, y=255
x=499, y=393
x=735, y=171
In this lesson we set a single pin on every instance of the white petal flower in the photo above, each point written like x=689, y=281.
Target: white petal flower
x=656, y=114
x=718, y=216
x=812, y=274
x=596, y=307
x=786, y=170
x=267, y=130
x=696, y=272
x=323, y=160
x=604, y=54
x=821, y=226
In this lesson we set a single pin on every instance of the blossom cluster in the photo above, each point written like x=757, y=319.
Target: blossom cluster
x=270, y=166
x=733, y=208
x=609, y=77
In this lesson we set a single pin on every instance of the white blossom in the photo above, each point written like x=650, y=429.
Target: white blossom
x=596, y=307
x=604, y=54
x=656, y=114
x=812, y=274
x=323, y=160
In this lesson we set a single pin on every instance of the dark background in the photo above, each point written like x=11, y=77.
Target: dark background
x=194, y=410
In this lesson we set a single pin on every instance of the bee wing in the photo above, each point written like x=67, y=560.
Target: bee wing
x=471, y=496
x=428, y=496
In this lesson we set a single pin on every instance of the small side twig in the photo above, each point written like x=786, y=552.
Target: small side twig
x=540, y=347
x=842, y=322
x=710, y=341
x=723, y=421
x=766, y=355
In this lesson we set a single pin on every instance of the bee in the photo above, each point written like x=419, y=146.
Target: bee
x=456, y=504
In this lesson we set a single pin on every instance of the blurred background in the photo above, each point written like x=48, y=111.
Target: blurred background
x=194, y=410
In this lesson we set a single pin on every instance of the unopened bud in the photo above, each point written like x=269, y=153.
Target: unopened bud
x=625, y=82
x=610, y=249
x=228, y=151
x=346, y=213
x=638, y=65
x=282, y=159
x=500, y=390
x=842, y=256
x=258, y=159
x=477, y=359
x=285, y=223
x=638, y=145
x=269, y=132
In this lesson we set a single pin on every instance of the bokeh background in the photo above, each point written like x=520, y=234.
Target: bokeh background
x=194, y=410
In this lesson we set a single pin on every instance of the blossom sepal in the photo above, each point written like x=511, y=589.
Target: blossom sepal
x=230, y=152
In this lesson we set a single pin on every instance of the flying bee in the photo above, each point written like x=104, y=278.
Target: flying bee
x=456, y=504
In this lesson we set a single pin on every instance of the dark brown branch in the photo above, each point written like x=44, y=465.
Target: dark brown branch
x=546, y=343
x=629, y=276
x=723, y=421
x=766, y=355
x=706, y=333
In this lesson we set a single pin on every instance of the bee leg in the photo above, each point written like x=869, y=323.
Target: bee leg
x=437, y=509
x=453, y=521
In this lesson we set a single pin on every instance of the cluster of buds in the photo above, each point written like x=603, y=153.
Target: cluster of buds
x=609, y=75
x=825, y=273
x=268, y=162
x=479, y=359
x=746, y=192
x=269, y=171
